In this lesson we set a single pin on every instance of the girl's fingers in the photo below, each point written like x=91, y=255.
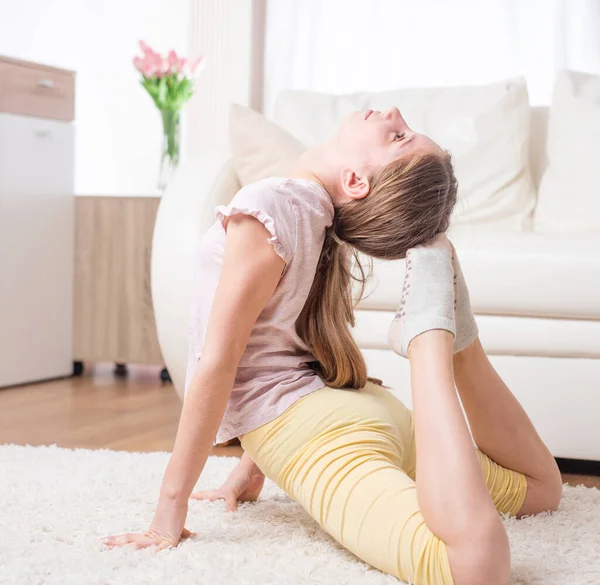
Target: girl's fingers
x=163, y=545
x=144, y=541
x=231, y=503
x=116, y=541
x=122, y=539
x=129, y=540
x=211, y=495
x=136, y=541
x=229, y=496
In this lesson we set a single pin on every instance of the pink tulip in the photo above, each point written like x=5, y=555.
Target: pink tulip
x=176, y=64
x=158, y=65
x=138, y=63
x=143, y=66
x=149, y=69
x=146, y=48
x=173, y=61
x=148, y=65
x=152, y=64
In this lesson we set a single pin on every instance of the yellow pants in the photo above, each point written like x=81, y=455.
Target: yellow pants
x=348, y=457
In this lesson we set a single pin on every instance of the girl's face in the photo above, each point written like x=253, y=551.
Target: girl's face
x=374, y=138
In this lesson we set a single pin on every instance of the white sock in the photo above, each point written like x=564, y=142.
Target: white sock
x=466, y=327
x=428, y=295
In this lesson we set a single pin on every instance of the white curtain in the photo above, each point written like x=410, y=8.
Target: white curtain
x=344, y=46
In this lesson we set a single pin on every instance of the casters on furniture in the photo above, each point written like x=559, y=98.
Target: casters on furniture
x=165, y=377
x=120, y=370
x=77, y=368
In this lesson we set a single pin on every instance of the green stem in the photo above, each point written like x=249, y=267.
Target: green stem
x=170, y=119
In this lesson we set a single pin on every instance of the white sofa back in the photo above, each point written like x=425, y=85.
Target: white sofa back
x=568, y=199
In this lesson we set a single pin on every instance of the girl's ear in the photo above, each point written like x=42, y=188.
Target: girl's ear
x=354, y=185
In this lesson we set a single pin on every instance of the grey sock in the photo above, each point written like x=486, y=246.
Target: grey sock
x=427, y=297
x=466, y=327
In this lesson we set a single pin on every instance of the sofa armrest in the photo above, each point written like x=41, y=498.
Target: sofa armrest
x=186, y=211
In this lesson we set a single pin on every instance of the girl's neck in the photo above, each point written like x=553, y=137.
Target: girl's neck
x=311, y=166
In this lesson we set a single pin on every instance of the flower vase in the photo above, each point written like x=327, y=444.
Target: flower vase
x=171, y=146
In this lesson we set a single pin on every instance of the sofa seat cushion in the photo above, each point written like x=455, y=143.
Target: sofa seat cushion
x=513, y=273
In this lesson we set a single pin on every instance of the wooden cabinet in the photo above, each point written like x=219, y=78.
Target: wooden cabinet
x=36, y=223
x=114, y=320
x=30, y=89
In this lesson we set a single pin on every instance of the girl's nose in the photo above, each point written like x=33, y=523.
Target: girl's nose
x=392, y=113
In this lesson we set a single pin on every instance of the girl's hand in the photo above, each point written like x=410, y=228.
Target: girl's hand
x=244, y=484
x=166, y=531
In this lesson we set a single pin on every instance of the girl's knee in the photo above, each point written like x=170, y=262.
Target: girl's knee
x=542, y=496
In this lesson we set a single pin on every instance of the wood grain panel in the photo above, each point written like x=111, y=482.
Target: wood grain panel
x=114, y=319
x=34, y=90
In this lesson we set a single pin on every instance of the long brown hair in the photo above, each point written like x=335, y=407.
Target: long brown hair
x=410, y=201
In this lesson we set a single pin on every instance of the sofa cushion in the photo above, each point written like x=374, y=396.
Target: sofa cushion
x=569, y=196
x=513, y=273
x=259, y=147
x=485, y=127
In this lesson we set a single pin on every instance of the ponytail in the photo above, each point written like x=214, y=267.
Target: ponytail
x=325, y=321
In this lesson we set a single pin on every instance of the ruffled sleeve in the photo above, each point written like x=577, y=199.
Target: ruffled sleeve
x=272, y=208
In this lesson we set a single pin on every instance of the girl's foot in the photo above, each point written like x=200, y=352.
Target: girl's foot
x=427, y=300
x=466, y=327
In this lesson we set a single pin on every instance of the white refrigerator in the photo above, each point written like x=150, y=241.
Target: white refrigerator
x=36, y=249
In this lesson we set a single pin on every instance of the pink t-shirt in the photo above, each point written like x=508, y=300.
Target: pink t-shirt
x=273, y=371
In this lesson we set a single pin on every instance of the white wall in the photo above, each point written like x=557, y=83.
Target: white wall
x=118, y=131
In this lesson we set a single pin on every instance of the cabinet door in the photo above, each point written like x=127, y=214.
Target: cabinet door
x=36, y=249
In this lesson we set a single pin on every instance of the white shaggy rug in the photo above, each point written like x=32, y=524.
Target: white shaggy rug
x=56, y=503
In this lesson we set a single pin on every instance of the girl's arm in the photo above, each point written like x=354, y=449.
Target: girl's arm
x=250, y=272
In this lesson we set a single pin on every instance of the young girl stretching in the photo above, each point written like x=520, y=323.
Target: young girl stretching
x=273, y=361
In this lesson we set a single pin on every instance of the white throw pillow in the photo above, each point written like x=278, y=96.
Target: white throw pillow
x=485, y=127
x=569, y=197
x=259, y=148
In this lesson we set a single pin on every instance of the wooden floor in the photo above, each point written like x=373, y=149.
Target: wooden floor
x=96, y=410
x=137, y=413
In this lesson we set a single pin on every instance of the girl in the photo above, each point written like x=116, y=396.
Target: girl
x=273, y=362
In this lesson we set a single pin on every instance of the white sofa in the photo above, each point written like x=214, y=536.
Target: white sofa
x=536, y=298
